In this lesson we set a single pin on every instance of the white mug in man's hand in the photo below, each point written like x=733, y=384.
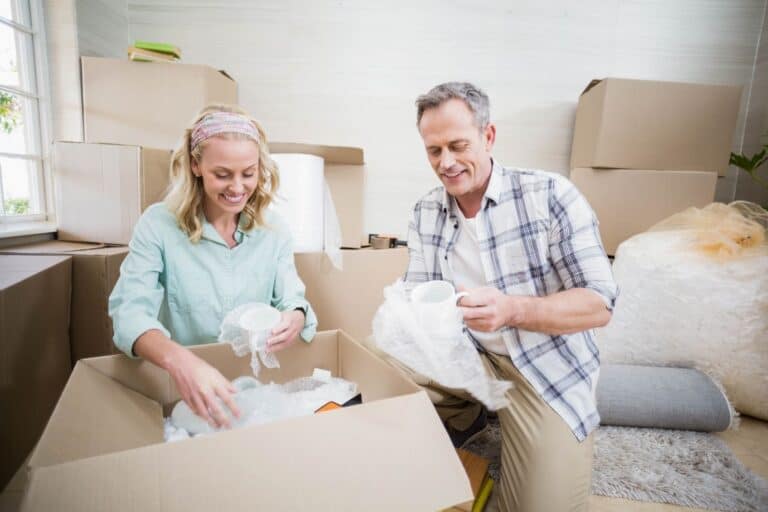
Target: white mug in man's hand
x=435, y=302
x=436, y=292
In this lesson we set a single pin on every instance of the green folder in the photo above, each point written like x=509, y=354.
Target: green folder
x=159, y=47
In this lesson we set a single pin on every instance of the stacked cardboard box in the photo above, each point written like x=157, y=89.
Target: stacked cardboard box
x=95, y=269
x=34, y=350
x=102, y=189
x=643, y=150
x=147, y=103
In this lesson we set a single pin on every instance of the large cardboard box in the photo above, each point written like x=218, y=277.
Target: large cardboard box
x=345, y=174
x=103, y=188
x=147, y=103
x=103, y=448
x=348, y=299
x=643, y=124
x=34, y=350
x=629, y=201
x=95, y=269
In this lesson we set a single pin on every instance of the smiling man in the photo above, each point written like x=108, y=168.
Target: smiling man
x=525, y=246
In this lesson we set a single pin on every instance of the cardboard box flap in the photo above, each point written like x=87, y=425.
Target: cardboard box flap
x=392, y=454
x=107, y=250
x=371, y=373
x=136, y=375
x=16, y=268
x=51, y=246
x=223, y=72
x=90, y=419
x=155, y=383
x=331, y=154
x=591, y=84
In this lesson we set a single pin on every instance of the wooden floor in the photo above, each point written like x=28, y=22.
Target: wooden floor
x=749, y=443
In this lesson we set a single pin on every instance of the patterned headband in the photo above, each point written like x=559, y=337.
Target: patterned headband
x=217, y=123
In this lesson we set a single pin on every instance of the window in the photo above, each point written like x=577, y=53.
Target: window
x=23, y=130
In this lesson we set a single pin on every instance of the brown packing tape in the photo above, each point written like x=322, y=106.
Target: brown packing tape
x=383, y=242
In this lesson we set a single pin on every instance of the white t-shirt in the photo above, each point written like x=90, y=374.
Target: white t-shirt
x=468, y=272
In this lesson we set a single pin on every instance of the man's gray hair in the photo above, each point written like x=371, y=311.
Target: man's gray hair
x=471, y=95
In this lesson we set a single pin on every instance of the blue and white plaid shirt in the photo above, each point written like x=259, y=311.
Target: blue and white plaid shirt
x=537, y=236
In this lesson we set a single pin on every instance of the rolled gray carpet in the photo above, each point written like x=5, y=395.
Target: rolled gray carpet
x=661, y=397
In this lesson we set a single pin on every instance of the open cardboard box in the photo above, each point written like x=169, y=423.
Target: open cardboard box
x=103, y=448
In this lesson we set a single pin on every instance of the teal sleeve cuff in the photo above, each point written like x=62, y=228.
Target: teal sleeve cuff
x=126, y=338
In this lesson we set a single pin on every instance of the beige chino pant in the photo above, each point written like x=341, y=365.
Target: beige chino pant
x=544, y=468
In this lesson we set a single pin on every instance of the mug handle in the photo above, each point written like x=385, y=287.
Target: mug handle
x=459, y=296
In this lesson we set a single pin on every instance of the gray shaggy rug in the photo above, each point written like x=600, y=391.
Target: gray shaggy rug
x=684, y=468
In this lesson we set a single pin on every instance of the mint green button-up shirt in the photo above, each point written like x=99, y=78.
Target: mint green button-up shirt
x=185, y=289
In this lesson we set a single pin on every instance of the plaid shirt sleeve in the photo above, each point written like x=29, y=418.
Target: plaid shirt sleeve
x=574, y=242
x=417, y=268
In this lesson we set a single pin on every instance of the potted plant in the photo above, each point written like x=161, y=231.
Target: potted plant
x=750, y=165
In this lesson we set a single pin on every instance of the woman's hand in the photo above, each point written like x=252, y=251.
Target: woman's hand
x=285, y=333
x=200, y=384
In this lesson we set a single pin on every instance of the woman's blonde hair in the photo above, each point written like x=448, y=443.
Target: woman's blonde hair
x=185, y=195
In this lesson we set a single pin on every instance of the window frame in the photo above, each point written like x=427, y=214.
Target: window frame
x=43, y=180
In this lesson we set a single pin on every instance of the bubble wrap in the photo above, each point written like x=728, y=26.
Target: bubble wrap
x=678, y=307
x=440, y=351
x=263, y=403
x=245, y=341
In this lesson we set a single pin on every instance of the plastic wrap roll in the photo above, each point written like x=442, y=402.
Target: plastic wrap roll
x=300, y=199
x=304, y=201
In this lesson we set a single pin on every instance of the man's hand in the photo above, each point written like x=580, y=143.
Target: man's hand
x=488, y=309
x=287, y=331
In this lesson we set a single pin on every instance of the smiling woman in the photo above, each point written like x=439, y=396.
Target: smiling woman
x=210, y=247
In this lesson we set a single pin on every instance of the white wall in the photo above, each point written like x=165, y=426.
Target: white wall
x=756, y=133
x=347, y=73
x=63, y=69
x=75, y=28
x=103, y=27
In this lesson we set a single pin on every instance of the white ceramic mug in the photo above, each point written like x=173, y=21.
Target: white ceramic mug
x=259, y=321
x=436, y=292
x=435, y=304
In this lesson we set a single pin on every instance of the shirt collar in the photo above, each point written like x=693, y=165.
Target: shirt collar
x=492, y=193
x=210, y=233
